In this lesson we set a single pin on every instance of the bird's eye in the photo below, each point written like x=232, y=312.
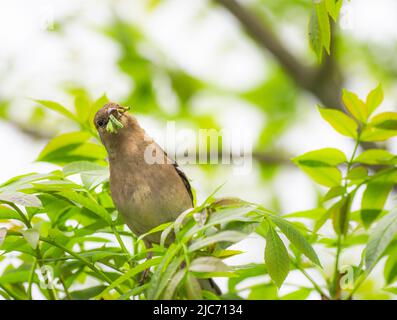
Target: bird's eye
x=100, y=123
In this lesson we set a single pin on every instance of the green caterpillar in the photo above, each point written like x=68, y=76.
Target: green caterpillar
x=113, y=124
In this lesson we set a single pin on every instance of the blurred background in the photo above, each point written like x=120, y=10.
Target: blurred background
x=243, y=66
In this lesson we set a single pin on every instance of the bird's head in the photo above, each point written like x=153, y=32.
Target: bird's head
x=110, y=122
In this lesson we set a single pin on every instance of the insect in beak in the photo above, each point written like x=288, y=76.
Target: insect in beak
x=121, y=109
x=118, y=109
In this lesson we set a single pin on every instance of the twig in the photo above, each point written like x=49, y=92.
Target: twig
x=325, y=87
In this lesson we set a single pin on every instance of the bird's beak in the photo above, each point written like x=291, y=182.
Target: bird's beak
x=111, y=111
x=118, y=109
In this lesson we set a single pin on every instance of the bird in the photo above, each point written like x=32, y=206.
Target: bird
x=146, y=193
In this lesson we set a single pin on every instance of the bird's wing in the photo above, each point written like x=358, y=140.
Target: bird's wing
x=184, y=178
x=181, y=174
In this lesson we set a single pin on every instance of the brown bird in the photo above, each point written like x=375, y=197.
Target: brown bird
x=146, y=194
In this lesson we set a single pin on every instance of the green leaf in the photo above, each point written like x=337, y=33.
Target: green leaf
x=309, y=214
x=62, y=141
x=326, y=176
x=32, y=236
x=263, y=292
x=224, y=236
x=174, y=283
x=209, y=265
x=134, y=292
x=14, y=276
x=334, y=192
x=380, y=239
x=382, y=127
x=166, y=275
x=385, y=121
x=55, y=185
x=82, y=106
x=315, y=36
x=374, y=157
x=357, y=173
x=321, y=157
x=374, y=99
x=58, y=108
x=193, y=288
x=319, y=165
x=222, y=216
x=87, y=203
x=391, y=290
x=301, y=294
x=355, y=105
x=390, y=270
x=14, y=243
x=158, y=275
x=23, y=199
x=92, y=174
x=88, y=293
x=159, y=228
x=296, y=238
x=339, y=213
x=263, y=228
x=276, y=257
x=333, y=8
x=371, y=134
x=25, y=180
x=223, y=254
x=340, y=122
x=323, y=25
x=82, y=167
x=84, y=152
x=129, y=274
x=373, y=200
x=3, y=233
x=7, y=213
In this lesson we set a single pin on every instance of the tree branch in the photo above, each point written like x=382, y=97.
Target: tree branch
x=324, y=85
x=265, y=38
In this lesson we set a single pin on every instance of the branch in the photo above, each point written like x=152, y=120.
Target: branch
x=31, y=131
x=265, y=38
x=324, y=82
x=319, y=83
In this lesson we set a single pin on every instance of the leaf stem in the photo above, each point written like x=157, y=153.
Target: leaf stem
x=31, y=277
x=336, y=290
x=38, y=252
x=314, y=283
x=65, y=288
x=120, y=241
x=21, y=214
x=85, y=261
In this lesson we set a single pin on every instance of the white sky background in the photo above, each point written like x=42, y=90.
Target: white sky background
x=35, y=64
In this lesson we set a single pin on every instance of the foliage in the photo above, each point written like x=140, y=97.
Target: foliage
x=323, y=13
x=69, y=225
x=372, y=170
x=61, y=227
x=57, y=222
